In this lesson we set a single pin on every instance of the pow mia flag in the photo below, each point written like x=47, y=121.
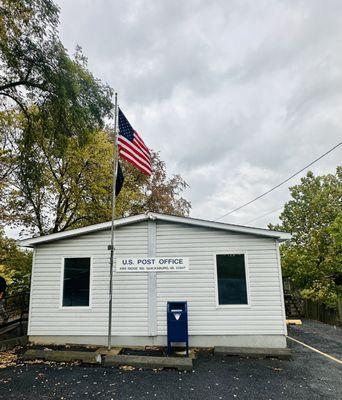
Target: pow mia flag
x=119, y=180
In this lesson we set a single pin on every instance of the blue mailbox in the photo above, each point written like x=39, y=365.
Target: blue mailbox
x=177, y=324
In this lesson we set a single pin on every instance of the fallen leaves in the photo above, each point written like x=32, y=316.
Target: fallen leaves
x=8, y=358
x=275, y=369
x=127, y=368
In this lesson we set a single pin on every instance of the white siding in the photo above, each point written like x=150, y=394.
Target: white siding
x=198, y=286
x=130, y=297
x=129, y=291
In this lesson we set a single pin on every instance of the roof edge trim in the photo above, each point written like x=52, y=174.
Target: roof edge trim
x=31, y=242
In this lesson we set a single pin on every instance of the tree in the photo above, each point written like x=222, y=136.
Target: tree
x=55, y=157
x=312, y=259
x=36, y=69
x=157, y=193
x=28, y=35
x=7, y=124
x=55, y=154
x=43, y=94
x=50, y=190
x=15, y=264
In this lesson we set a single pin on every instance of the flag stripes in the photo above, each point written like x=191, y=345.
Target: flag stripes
x=130, y=158
x=141, y=143
x=132, y=148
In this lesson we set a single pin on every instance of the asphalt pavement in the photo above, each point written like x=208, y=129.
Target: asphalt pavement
x=324, y=337
x=308, y=376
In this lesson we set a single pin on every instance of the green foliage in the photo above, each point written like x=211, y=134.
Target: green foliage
x=48, y=100
x=49, y=190
x=52, y=191
x=55, y=155
x=312, y=260
x=157, y=193
x=15, y=264
x=37, y=70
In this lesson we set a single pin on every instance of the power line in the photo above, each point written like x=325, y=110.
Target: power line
x=281, y=183
x=261, y=216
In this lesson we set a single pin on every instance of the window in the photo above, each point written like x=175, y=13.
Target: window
x=76, y=281
x=231, y=279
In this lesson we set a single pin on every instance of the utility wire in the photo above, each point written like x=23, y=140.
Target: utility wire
x=281, y=183
x=261, y=216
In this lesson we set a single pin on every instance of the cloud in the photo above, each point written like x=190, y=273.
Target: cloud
x=236, y=95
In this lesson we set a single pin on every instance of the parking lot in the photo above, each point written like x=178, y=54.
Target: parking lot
x=308, y=376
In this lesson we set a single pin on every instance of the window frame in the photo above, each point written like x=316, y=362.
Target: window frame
x=231, y=306
x=75, y=308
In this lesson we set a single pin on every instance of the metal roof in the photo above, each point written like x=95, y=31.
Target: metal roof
x=30, y=242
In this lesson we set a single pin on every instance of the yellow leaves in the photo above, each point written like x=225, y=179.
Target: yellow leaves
x=126, y=368
x=65, y=182
x=6, y=273
x=8, y=358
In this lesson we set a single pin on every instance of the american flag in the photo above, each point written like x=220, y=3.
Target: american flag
x=131, y=146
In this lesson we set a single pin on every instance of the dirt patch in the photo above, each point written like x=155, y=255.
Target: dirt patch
x=147, y=351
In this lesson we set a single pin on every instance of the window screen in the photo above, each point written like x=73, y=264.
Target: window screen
x=231, y=279
x=76, y=282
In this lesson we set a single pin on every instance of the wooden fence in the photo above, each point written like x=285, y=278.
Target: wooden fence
x=320, y=312
x=16, y=307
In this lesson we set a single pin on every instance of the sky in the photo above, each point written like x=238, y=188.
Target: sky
x=235, y=95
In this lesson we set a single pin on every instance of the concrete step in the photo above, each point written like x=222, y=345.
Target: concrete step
x=253, y=352
x=88, y=357
x=180, y=363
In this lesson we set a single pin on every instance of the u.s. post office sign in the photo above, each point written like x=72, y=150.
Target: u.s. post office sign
x=152, y=264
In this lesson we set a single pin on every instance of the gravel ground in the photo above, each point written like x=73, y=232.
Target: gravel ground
x=308, y=376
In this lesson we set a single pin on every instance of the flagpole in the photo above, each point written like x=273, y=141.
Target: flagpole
x=112, y=231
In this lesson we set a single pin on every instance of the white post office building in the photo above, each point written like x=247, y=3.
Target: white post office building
x=230, y=276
